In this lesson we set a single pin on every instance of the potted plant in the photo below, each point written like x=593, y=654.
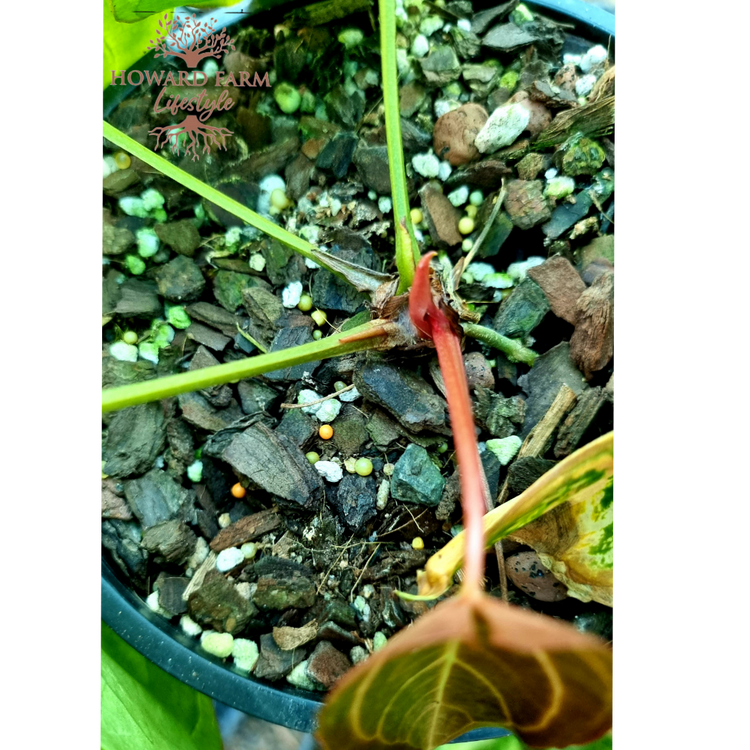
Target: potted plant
x=402, y=321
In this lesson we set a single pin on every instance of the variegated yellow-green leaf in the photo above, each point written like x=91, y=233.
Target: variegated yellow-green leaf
x=474, y=661
x=574, y=540
x=582, y=481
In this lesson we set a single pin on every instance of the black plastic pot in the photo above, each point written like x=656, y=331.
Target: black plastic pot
x=164, y=644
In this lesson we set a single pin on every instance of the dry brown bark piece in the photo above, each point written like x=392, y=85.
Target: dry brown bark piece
x=562, y=286
x=114, y=505
x=246, y=530
x=218, y=604
x=327, y=664
x=592, y=343
x=275, y=464
x=288, y=638
x=604, y=87
x=578, y=421
x=115, y=240
x=442, y=218
x=525, y=203
x=214, y=316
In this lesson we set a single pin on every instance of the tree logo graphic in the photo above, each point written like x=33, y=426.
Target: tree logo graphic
x=189, y=39
x=192, y=41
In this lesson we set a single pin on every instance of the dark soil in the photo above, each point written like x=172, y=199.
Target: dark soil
x=328, y=555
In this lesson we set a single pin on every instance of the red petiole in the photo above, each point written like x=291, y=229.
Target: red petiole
x=433, y=323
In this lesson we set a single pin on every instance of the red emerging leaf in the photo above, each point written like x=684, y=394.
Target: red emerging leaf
x=431, y=322
x=421, y=304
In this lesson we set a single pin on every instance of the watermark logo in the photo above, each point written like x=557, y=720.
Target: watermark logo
x=190, y=40
x=193, y=41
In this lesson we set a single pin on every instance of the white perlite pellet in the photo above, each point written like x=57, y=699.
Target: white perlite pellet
x=189, y=626
x=428, y=165
x=504, y=448
x=229, y=558
x=218, y=644
x=351, y=395
x=291, y=293
x=504, y=125
x=329, y=470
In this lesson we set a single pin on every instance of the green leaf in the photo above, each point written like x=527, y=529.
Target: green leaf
x=132, y=11
x=584, y=479
x=605, y=743
x=407, y=252
x=363, y=278
x=172, y=385
x=509, y=742
x=473, y=661
x=124, y=43
x=144, y=708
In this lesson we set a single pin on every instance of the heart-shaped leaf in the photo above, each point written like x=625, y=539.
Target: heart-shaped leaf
x=471, y=662
x=584, y=482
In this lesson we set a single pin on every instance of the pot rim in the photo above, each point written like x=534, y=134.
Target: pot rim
x=599, y=23
x=178, y=654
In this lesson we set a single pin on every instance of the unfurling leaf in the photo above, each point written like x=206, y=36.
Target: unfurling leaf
x=421, y=302
x=584, y=481
x=470, y=662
